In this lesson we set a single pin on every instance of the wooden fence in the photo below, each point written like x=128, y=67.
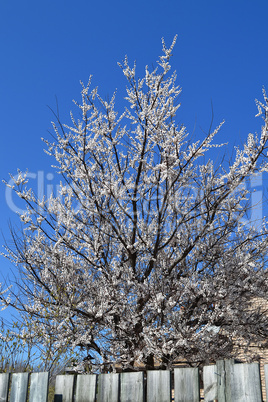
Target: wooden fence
x=223, y=382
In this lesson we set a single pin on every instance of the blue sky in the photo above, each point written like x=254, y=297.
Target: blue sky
x=46, y=48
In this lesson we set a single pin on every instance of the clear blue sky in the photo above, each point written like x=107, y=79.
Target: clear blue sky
x=47, y=47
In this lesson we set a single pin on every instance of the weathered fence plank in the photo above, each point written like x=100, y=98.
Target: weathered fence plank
x=86, y=388
x=222, y=382
x=132, y=387
x=158, y=386
x=238, y=382
x=266, y=380
x=186, y=385
x=210, y=383
x=245, y=383
x=39, y=387
x=4, y=386
x=64, y=388
x=108, y=388
x=19, y=387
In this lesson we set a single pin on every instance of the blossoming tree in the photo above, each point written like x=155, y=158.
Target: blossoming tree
x=143, y=257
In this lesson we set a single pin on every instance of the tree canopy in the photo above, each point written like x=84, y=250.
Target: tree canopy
x=143, y=256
